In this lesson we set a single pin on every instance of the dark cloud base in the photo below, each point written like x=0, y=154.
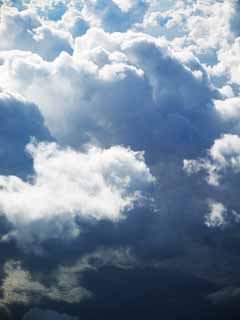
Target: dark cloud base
x=145, y=293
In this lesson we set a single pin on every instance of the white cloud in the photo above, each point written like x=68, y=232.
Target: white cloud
x=224, y=155
x=112, y=86
x=216, y=217
x=229, y=109
x=221, y=167
x=126, y=5
x=24, y=30
x=98, y=184
x=228, y=66
x=114, y=15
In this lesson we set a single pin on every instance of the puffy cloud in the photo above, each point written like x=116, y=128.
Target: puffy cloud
x=114, y=15
x=109, y=92
x=24, y=30
x=49, y=9
x=216, y=215
x=227, y=69
x=73, y=22
x=224, y=155
x=222, y=166
x=99, y=184
x=199, y=24
x=206, y=28
x=229, y=110
x=111, y=15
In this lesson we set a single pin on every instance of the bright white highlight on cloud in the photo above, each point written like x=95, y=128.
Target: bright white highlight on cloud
x=216, y=215
x=224, y=155
x=222, y=168
x=98, y=184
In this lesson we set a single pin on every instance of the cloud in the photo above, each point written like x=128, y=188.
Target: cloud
x=24, y=30
x=200, y=27
x=221, y=168
x=216, y=215
x=225, y=296
x=227, y=70
x=73, y=22
x=20, y=119
x=113, y=86
x=21, y=286
x=98, y=184
x=63, y=283
x=224, y=155
x=38, y=314
x=5, y=313
x=107, y=78
x=114, y=15
x=229, y=109
x=234, y=21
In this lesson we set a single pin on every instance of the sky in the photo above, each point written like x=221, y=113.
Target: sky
x=119, y=159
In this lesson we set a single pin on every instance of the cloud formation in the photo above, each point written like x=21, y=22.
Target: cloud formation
x=24, y=30
x=20, y=286
x=108, y=92
x=98, y=184
x=224, y=155
x=135, y=107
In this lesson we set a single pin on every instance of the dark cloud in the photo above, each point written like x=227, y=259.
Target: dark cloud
x=4, y=313
x=20, y=120
x=38, y=314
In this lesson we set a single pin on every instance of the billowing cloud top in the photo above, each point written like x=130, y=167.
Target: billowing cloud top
x=119, y=129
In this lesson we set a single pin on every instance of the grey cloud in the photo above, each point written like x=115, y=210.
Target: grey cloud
x=22, y=286
x=20, y=120
x=4, y=313
x=225, y=296
x=234, y=21
x=38, y=314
